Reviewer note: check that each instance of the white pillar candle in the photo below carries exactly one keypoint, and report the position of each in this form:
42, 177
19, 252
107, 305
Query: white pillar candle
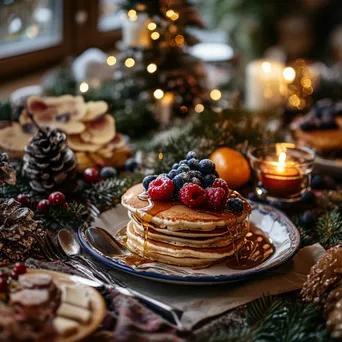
265, 85
135, 32
166, 108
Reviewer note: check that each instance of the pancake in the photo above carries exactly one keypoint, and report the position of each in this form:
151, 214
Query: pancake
178, 255
176, 216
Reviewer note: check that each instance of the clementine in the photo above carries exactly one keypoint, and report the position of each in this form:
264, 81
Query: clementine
232, 166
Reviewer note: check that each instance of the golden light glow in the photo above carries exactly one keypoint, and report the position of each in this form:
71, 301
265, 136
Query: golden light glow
175, 16
294, 100
183, 109
151, 68
152, 26
155, 35
179, 39
215, 94
199, 108
132, 15
281, 162
173, 28
158, 94
111, 60
289, 74
84, 87
129, 62
170, 13
266, 67
306, 82
160, 156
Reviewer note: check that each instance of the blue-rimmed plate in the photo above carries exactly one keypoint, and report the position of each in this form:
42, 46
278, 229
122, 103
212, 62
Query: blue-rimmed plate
276, 225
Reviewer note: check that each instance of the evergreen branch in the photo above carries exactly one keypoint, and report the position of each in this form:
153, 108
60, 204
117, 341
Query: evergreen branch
329, 229
5, 111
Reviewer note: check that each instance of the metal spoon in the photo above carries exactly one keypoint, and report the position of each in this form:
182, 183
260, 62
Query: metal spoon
72, 248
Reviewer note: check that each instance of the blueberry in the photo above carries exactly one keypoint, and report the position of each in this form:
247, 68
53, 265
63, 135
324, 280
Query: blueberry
308, 198
175, 166
193, 164
191, 155
180, 180
131, 164
236, 204
147, 180
183, 162
216, 174
183, 168
206, 166
172, 174
108, 172
209, 180
195, 180
308, 218
164, 175
317, 182
196, 174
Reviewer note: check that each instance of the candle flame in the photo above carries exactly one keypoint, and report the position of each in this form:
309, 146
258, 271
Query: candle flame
266, 67
281, 162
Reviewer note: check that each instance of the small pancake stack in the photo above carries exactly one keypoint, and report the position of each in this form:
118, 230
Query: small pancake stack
90, 131
195, 225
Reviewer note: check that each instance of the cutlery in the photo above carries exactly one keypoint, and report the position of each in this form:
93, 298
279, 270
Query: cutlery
72, 248
110, 247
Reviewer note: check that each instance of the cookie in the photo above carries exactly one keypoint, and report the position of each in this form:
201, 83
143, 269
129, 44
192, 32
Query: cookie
94, 110
14, 139
100, 131
76, 143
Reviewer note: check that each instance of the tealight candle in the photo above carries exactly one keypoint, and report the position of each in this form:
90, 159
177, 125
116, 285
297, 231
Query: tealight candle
282, 171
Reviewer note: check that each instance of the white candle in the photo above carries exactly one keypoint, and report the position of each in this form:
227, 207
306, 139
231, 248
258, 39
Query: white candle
265, 85
135, 32
166, 108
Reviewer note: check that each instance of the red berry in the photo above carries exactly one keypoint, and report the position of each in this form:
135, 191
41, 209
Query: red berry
161, 189
192, 195
19, 268
100, 163
3, 275
43, 206
221, 183
14, 275
90, 175
56, 199
3, 285
216, 198
23, 199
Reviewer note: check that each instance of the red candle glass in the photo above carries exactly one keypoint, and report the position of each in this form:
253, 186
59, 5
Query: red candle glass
282, 171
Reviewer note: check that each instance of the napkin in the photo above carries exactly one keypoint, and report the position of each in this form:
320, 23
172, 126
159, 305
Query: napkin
202, 302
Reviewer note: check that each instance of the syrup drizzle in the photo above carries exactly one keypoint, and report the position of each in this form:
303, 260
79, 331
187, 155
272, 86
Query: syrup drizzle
256, 249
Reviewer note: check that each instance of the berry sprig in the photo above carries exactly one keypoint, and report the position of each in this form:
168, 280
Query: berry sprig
195, 183
7, 277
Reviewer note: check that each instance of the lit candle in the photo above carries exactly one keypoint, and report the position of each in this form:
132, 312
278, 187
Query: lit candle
281, 178
135, 32
265, 85
165, 108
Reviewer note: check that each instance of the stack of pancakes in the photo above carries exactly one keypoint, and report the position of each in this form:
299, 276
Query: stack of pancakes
173, 233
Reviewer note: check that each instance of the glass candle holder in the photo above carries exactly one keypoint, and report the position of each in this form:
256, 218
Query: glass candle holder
282, 171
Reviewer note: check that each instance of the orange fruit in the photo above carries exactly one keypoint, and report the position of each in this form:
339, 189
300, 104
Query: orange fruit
232, 166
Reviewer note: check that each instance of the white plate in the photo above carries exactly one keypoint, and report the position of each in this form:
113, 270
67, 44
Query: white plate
276, 225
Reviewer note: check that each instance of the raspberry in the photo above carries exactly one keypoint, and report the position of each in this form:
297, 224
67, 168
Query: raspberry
161, 189
192, 195
216, 198
221, 183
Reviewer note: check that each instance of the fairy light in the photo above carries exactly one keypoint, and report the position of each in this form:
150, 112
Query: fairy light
289, 74
199, 108
170, 13
160, 156
129, 62
132, 15
158, 94
111, 60
179, 39
84, 87
151, 68
215, 94
152, 26
183, 109
155, 35
175, 16
266, 67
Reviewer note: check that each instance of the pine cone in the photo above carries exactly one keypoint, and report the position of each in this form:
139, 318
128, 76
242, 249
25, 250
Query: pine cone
324, 276
49, 162
17, 231
7, 174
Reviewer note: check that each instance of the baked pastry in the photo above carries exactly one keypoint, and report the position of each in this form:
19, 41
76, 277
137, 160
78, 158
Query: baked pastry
321, 128
190, 220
